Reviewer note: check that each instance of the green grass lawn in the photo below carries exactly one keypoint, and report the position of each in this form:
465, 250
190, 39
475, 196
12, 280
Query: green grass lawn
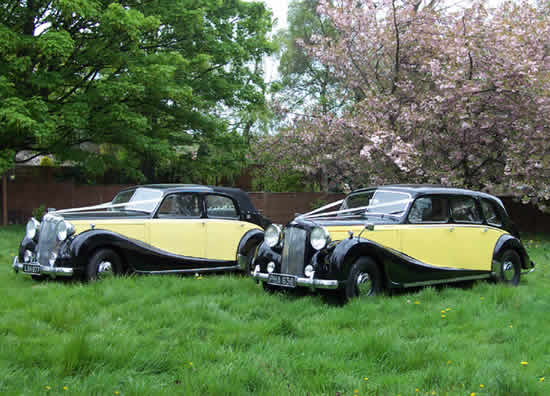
222, 335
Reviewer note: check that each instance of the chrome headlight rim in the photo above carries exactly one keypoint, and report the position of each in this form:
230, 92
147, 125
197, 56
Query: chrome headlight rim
319, 238
63, 230
273, 235
32, 228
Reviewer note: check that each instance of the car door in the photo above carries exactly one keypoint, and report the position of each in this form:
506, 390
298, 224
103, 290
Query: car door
474, 241
224, 229
178, 228
428, 237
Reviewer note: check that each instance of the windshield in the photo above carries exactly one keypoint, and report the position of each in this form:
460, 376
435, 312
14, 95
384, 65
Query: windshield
378, 202
140, 199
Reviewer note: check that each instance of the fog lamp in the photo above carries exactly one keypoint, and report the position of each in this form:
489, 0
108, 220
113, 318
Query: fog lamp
53, 257
308, 271
271, 267
27, 256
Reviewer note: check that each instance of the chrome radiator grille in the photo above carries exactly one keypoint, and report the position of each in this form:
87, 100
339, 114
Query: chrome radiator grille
294, 247
47, 239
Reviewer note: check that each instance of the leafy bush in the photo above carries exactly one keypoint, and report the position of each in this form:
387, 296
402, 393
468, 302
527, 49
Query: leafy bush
39, 212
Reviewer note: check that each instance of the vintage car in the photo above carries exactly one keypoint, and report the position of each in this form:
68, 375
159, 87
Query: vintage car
391, 237
153, 229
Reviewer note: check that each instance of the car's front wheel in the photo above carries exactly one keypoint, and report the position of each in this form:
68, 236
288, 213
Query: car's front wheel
510, 268
364, 279
103, 264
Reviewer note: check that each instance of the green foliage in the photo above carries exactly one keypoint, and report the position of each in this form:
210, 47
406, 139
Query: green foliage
39, 212
46, 161
274, 180
225, 335
141, 78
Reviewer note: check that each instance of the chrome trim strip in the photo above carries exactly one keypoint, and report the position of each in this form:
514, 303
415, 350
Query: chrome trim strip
306, 282
436, 282
44, 270
184, 271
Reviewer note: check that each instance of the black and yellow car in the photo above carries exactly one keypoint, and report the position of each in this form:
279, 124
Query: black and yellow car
394, 237
153, 229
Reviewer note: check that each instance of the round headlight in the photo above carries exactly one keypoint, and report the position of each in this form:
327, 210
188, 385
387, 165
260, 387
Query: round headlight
32, 228
64, 229
272, 235
27, 256
271, 267
308, 271
319, 238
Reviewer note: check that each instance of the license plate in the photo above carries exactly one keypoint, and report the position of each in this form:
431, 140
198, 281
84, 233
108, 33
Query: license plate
31, 268
282, 280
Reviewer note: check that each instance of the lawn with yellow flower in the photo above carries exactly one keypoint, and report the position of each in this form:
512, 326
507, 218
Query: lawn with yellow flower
223, 335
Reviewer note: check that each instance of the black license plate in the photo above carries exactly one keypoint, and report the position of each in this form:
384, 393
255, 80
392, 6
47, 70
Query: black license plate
31, 268
282, 280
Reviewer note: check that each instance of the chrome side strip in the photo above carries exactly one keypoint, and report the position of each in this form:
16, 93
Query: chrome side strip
191, 270
439, 281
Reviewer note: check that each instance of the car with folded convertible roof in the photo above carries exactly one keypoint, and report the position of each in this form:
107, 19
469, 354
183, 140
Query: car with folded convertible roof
391, 237
154, 229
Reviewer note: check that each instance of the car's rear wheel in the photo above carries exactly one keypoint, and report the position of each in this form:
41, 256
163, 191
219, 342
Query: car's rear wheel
364, 279
510, 268
104, 263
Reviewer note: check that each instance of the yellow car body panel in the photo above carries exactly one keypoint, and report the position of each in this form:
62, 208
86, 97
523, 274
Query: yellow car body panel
184, 237
223, 237
130, 228
464, 246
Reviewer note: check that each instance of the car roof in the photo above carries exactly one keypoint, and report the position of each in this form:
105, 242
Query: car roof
239, 195
421, 189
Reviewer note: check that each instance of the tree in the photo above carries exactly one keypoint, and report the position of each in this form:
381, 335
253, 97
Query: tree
135, 78
446, 96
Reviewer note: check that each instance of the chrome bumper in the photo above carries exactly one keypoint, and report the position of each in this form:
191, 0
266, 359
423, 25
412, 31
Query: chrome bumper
305, 282
44, 270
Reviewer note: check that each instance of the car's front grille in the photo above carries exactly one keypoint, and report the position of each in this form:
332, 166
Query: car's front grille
47, 240
294, 247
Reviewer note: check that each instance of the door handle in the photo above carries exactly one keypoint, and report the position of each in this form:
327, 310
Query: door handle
451, 229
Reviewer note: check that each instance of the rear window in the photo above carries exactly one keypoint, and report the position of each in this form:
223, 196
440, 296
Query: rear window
464, 210
491, 215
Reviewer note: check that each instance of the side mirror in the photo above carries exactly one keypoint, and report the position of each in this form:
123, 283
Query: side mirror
368, 226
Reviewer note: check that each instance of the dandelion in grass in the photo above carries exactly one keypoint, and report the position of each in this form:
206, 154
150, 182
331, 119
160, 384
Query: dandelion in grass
190, 363
541, 379
443, 311
448, 309
366, 378
473, 394
116, 392
524, 363
417, 390
481, 386
449, 361
47, 387
65, 388
417, 302
443, 316
355, 391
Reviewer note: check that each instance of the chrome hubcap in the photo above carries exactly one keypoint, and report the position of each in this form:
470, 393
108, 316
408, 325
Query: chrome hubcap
104, 270
364, 284
508, 271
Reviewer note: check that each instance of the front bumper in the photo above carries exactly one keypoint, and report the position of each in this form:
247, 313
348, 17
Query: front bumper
305, 282
43, 270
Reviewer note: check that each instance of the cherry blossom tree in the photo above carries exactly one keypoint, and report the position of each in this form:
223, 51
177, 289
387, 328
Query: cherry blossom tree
453, 96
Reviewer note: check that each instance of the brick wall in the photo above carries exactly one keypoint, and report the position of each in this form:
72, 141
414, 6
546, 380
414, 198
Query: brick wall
33, 187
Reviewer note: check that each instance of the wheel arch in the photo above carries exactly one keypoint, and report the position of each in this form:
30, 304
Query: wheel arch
348, 251
508, 241
250, 239
86, 244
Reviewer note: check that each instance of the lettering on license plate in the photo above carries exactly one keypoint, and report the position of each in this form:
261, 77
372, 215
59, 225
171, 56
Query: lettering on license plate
31, 269
282, 280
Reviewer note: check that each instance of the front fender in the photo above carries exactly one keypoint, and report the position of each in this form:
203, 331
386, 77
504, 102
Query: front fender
347, 251
264, 255
26, 244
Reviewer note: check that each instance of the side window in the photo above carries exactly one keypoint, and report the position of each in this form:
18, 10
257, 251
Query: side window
464, 210
490, 214
180, 206
429, 210
221, 207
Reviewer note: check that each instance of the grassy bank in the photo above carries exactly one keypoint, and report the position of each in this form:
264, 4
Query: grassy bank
222, 335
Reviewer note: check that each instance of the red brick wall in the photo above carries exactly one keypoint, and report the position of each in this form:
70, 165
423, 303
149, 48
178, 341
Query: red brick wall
33, 187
